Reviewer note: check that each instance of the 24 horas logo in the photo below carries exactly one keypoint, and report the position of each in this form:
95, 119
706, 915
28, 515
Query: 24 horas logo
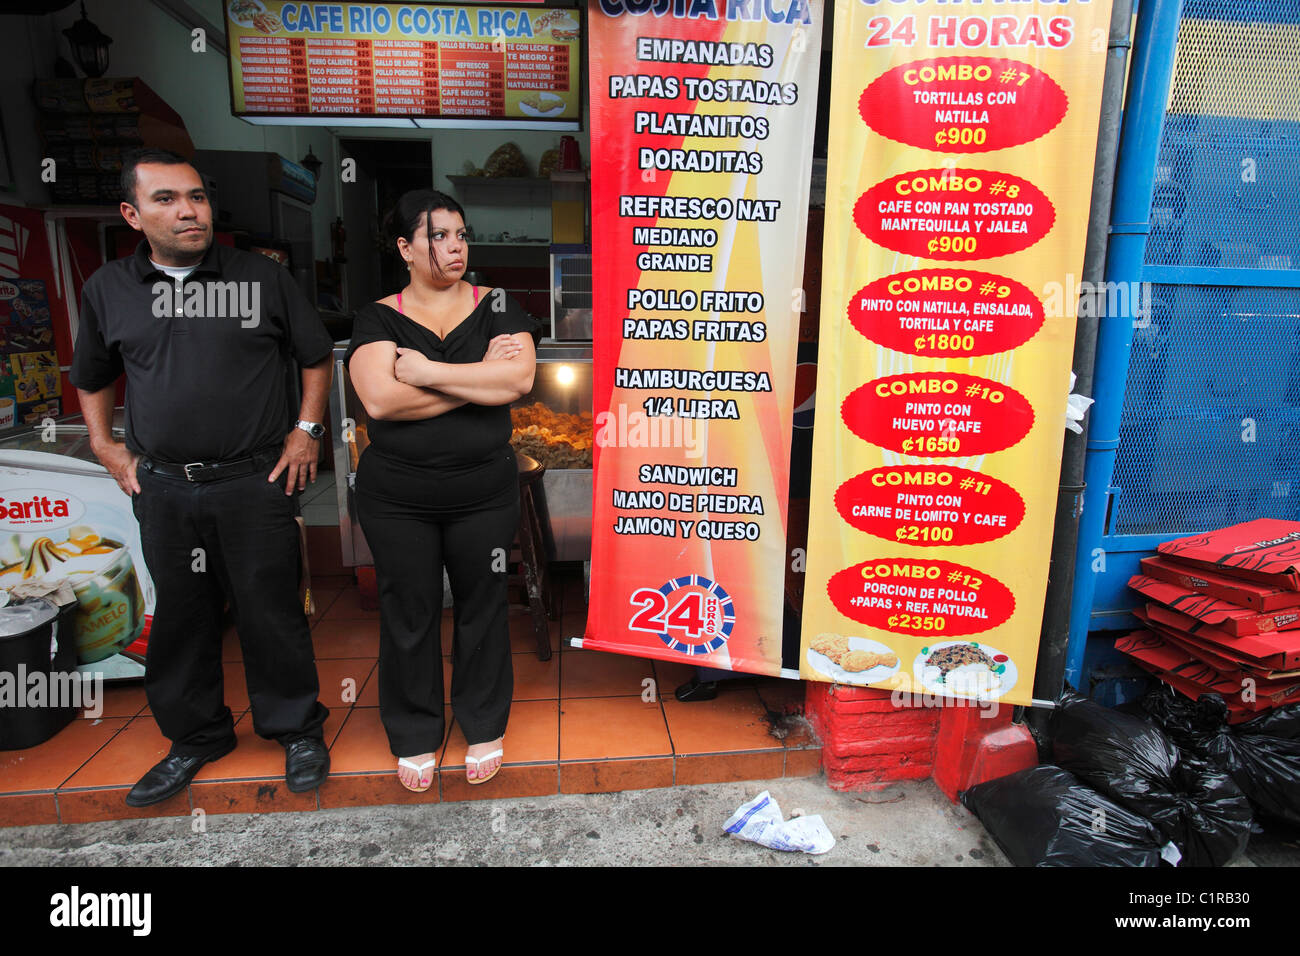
22, 509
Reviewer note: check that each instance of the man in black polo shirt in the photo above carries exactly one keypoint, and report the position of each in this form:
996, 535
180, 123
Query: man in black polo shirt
204, 334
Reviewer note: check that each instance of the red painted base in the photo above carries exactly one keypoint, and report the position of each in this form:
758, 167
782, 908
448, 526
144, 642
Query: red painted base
976, 745
869, 740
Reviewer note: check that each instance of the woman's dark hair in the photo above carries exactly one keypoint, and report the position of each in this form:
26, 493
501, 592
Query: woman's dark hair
416, 207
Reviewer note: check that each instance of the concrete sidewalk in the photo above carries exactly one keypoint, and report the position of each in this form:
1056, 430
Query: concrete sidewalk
909, 824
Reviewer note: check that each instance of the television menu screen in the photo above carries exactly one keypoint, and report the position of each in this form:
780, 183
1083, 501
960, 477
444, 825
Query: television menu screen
412, 61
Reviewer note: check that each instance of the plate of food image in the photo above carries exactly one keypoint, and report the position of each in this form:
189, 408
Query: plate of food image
267, 23
964, 669
542, 103
561, 25
851, 660
565, 28
243, 11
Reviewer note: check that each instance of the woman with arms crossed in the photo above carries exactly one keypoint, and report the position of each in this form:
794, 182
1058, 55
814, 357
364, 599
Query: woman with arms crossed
436, 367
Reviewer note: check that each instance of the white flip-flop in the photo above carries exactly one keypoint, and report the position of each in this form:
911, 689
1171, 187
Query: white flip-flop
479, 760
419, 769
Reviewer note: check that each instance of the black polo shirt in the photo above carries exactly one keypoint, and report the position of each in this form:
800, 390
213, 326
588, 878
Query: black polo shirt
470, 433
206, 363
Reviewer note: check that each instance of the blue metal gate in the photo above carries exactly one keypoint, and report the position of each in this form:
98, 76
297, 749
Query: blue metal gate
1197, 423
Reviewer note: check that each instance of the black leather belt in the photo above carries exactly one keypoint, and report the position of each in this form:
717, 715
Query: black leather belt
211, 470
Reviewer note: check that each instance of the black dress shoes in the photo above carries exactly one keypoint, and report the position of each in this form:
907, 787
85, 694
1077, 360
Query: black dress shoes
696, 689
306, 763
169, 777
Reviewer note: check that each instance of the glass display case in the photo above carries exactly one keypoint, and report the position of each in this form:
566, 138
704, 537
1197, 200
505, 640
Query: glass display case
552, 423
66, 522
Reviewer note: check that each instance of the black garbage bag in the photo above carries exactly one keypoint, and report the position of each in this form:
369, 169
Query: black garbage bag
1262, 755
1265, 762
1044, 816
1193, 803
1191, 725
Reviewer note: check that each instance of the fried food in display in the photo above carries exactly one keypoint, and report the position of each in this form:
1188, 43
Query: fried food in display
555, 439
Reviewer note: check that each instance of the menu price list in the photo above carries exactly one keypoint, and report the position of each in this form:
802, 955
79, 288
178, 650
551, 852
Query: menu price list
473, 78
418, 78
539, 66
340, 76
727, 315
274, 74
958, 105
405, 76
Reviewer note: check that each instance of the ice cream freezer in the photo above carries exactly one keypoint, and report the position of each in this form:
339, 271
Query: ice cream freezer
552, 423
64, 521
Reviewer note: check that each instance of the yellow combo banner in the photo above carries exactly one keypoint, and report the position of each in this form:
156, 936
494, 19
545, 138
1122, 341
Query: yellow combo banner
962, 139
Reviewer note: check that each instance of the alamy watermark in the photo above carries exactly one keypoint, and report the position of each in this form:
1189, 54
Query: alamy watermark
622, 427
210, 300
39, 688
1122, 300
76, 908
910, 698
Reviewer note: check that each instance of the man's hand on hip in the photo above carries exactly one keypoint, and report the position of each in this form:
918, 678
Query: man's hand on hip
297, 461
120, 462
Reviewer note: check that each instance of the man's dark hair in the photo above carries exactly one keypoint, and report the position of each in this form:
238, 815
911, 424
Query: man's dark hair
147, 155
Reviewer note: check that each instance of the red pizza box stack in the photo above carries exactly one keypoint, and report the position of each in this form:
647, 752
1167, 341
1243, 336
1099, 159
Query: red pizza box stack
1265, 551
1223, 615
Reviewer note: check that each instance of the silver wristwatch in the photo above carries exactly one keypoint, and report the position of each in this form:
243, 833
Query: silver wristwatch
314, 429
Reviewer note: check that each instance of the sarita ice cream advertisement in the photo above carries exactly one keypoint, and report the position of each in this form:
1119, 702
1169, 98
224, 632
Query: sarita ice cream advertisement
65, 521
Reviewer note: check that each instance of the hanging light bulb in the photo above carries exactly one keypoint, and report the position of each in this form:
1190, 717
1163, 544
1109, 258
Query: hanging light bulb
89, 45
311, 163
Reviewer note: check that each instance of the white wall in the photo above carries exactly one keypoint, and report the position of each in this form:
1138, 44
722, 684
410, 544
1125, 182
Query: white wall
150, 44
451, 148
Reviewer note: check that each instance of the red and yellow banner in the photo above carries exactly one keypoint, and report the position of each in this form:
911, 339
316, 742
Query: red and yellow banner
961, 152
702, 125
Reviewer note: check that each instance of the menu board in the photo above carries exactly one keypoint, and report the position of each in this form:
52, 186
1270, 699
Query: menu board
404, 60
961, 148
699, 213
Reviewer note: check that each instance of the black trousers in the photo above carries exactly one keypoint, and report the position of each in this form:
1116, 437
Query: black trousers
203, 542
416, 520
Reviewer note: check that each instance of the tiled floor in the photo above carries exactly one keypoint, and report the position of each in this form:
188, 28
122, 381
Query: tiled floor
582, 722
319, 502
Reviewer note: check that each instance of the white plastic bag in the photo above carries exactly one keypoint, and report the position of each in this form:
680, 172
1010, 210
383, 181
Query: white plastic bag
760, 821
1076, 406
